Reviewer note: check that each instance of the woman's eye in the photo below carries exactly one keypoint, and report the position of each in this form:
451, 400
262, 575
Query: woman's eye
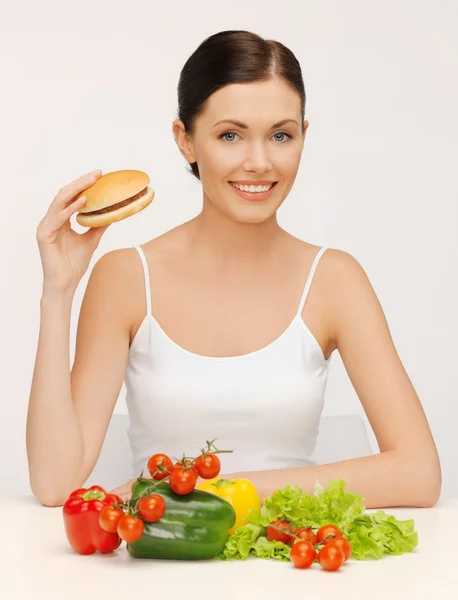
223, 135
284, 133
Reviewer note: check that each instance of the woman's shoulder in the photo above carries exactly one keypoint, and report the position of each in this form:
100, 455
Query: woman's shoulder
337, 271
333, 260
341, 268
336, 281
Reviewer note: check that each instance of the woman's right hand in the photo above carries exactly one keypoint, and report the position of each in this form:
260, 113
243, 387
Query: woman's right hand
66, 254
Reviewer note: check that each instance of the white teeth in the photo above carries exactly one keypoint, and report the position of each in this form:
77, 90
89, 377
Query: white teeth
252, 188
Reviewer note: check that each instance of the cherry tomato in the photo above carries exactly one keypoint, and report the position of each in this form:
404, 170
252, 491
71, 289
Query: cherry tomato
159, 460
273, 535
109, 518
305, 533
130, 528
151, 508
327, 531
182, 481
188, 463
208, 466
303, 554
343, 544
330, 557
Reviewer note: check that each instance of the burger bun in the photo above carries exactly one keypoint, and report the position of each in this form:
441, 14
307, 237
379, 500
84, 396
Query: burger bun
114, 197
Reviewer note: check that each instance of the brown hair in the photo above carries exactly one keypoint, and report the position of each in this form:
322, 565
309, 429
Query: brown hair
232, 56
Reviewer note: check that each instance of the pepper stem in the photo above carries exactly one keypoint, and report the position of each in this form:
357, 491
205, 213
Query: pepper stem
94, 495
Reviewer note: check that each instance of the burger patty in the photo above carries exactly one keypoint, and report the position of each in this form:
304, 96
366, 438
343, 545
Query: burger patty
118, 205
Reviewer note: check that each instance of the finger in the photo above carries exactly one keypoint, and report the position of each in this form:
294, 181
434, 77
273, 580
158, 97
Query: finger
94, 235
70, 191
117, 492
59, 218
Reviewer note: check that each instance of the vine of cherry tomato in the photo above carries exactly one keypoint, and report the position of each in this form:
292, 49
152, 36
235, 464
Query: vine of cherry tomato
151, 508
160, 466
183, 480
130, 528
208, 466
182, 477
303, 554
328, 547
274, 535
330, 557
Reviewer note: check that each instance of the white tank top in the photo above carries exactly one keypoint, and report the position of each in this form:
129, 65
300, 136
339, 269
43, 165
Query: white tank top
265, 405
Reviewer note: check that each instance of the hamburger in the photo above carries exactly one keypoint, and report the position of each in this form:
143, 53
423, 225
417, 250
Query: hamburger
115, 196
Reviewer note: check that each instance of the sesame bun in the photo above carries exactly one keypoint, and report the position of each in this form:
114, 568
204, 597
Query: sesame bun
115, 196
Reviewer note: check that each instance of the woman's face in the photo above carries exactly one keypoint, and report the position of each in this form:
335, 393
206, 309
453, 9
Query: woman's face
227, 152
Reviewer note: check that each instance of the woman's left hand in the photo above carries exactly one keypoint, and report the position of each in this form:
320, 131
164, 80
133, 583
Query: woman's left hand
124, 491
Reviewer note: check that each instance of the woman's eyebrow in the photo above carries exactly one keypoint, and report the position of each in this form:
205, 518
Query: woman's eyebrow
244, 126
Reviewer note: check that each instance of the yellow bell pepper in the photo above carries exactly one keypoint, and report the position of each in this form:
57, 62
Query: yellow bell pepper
241, 493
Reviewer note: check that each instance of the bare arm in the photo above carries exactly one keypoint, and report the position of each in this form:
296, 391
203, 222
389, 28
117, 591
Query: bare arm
69, 412
407, 470
53, 433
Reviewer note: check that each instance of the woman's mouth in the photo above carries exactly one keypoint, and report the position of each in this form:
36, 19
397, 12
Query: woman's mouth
254, 196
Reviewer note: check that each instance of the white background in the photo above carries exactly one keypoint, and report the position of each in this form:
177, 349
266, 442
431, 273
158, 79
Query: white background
93, 85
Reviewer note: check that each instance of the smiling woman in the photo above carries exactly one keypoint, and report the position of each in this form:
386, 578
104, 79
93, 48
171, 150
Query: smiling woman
259, 150
224, 327
232, 59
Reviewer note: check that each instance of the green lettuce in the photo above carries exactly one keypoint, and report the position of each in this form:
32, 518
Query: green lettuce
370, 535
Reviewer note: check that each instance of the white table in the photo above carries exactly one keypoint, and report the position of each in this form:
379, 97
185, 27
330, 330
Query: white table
36, 561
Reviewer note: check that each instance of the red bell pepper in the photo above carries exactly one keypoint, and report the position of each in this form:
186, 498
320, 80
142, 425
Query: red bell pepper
81, 513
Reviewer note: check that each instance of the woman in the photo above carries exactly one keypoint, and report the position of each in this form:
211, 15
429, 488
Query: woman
215, 326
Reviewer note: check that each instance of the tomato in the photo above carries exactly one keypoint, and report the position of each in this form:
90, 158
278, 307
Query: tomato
151, 508
279, 536
130, 528
327, 531
305, 533
303, 555
188, 463
208, 466
159, 460
330, 557
182, 480
109, 518
343, 544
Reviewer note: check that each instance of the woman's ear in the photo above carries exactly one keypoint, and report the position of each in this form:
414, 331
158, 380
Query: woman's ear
184, 141
304, 131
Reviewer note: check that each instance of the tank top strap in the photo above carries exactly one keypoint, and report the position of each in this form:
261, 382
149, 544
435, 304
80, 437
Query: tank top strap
308, 283
147, 281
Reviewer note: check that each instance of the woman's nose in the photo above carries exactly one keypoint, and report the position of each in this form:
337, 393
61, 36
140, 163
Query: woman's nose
257, 157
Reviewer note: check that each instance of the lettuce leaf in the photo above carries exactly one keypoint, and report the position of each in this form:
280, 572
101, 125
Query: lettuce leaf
265, 549
371, 535
247, 540
241, 542
328, 505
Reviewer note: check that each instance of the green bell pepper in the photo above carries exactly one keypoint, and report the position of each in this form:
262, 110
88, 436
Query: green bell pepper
195, 526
